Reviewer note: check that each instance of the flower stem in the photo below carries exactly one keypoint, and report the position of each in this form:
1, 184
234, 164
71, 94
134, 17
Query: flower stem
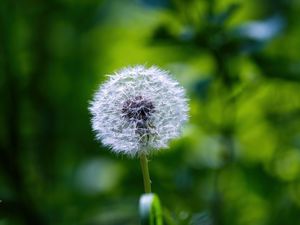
145, 171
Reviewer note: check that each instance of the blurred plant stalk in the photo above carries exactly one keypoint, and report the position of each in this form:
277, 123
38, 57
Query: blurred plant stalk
145, 171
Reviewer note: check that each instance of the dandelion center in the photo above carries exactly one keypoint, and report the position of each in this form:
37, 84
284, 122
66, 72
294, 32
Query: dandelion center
138, 110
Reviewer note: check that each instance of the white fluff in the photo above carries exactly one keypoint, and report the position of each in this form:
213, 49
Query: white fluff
138, 110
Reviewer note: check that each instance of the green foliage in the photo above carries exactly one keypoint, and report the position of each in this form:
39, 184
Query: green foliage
150, 210
238, 162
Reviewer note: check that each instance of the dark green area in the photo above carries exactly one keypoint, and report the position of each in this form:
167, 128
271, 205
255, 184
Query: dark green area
238, 162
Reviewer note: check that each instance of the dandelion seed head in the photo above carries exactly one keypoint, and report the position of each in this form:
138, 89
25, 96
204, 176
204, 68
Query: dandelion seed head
138, 110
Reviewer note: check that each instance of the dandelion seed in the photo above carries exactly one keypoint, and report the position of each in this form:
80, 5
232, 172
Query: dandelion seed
138, 110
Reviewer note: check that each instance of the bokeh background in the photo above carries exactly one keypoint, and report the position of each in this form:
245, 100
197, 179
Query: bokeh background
238, 162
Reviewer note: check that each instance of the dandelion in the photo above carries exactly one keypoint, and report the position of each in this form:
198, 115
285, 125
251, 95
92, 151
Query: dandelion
138, 110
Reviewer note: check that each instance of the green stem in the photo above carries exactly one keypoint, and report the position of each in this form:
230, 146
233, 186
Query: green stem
145, 170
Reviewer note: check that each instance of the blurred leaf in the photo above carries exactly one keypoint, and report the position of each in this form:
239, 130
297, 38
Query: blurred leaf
150, 210
221, 18
201, 87
279, 67
203, 218
156, 3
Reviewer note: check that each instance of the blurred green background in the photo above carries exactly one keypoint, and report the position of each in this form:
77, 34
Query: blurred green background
238, 162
